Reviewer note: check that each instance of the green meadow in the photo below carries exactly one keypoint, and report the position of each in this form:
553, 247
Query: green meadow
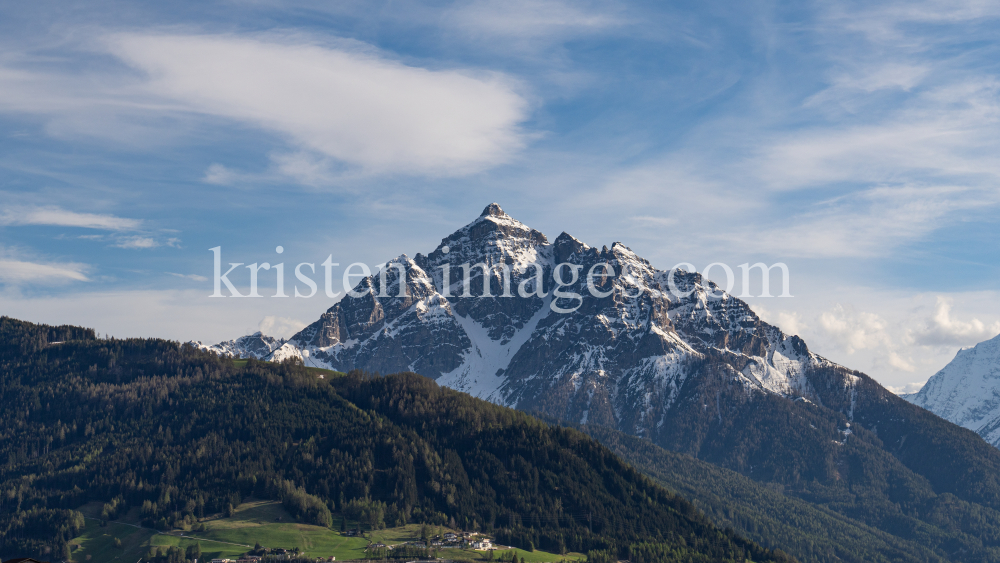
255, 521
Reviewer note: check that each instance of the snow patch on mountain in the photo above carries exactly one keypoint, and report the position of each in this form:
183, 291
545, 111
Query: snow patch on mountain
481, 372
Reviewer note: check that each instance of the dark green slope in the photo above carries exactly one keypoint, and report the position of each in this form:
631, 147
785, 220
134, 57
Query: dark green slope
856, 450
181, 433
952, 459
763, 513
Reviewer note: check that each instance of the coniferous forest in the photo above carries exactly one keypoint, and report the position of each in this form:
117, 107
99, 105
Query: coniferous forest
180, 433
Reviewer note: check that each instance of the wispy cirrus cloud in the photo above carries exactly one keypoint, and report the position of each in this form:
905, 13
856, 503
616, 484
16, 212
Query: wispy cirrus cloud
124, 232
18, 272
898, 138
141, 242
531, 19
193, 277
59, 217
864, 224
883, 23
939, 134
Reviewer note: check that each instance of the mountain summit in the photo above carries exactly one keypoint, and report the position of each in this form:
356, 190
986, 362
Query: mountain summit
493, 210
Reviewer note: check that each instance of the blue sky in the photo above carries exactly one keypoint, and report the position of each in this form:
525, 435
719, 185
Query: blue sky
855, 141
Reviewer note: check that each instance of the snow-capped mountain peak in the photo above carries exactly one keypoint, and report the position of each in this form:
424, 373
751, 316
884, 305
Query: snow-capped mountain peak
967, 390
581, 333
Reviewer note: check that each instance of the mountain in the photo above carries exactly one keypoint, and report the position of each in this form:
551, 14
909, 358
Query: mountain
177, 434
670, 358
967, 391
619, 360
256, 346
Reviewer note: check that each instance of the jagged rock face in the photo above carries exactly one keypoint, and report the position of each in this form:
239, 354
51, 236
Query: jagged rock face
609, 345
967, 391
257, 346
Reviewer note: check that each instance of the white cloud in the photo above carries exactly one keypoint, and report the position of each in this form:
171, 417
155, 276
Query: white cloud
17, 272
906, 388
340, 102
898, 362
853, 330
873, 330
305, 168
281, 327
943, 330
220, 175
859, 330
137, 242
56, 216
325, 99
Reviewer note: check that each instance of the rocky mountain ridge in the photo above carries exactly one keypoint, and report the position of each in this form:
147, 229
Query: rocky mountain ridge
621, 357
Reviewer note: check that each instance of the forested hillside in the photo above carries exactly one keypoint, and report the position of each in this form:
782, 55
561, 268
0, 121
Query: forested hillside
181, 433
924, 488
809, 531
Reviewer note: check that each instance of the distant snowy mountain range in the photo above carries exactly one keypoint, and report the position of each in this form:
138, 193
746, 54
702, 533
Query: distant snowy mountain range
621, 359
257, 346
967, 391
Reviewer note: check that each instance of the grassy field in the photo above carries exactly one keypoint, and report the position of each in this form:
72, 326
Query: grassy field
254, 521
96, 543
